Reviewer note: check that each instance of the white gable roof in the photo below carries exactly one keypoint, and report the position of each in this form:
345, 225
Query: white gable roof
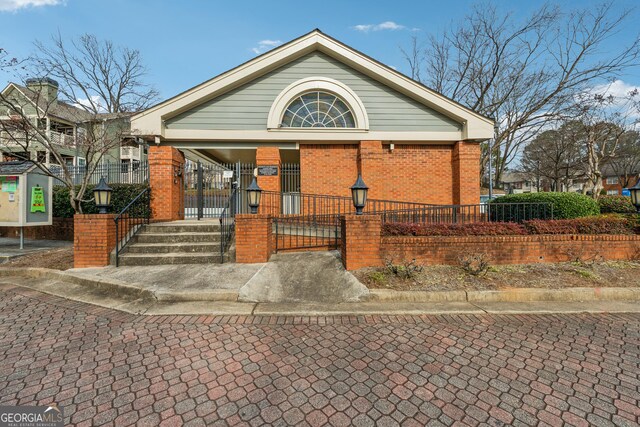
151, 121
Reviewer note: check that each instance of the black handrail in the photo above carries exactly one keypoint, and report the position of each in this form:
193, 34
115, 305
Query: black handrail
227, 224
131, 219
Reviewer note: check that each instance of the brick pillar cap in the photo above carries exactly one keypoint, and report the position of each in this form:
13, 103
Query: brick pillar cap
95, 216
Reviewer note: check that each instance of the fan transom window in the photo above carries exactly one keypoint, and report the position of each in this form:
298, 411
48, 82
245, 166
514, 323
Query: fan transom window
318, 109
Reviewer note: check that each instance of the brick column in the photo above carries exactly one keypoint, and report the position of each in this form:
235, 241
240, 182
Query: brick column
370, 165
167, 189
466, 173
253, 238
361, 239
94, 237
269, 156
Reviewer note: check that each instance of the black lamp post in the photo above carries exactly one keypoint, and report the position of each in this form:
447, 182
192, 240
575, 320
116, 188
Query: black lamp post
254, 193
102, 196
359, 194
635, 195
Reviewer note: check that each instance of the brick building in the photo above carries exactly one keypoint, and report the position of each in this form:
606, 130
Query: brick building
331, 111
617, 179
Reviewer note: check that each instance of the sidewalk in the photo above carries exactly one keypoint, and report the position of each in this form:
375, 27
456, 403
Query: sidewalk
138, 301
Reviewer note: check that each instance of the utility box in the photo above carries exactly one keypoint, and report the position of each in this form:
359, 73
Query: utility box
26, 195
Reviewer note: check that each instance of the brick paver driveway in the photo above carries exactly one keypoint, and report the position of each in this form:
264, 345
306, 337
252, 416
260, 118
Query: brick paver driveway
106, 367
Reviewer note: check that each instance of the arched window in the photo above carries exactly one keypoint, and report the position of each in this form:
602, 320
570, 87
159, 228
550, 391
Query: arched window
318, 109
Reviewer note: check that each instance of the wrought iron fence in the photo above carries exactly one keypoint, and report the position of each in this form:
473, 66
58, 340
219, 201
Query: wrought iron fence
290, 177
307, 232
461, 214
134, 172
276, 204
131, 219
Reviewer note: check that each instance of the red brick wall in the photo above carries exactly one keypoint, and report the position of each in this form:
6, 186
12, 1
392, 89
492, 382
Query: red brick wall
328, 169
511, 249
466, 173
414, 173
94, 239
269, 156
360, 241
60, 229
254, 239
363, 246
167, 198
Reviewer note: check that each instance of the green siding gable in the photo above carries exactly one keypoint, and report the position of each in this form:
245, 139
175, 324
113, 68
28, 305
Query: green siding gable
247, 107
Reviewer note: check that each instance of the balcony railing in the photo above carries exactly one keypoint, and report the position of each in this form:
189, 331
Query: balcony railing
19, 139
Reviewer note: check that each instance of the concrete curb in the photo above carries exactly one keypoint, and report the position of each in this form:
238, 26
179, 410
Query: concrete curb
389, 295
509, 295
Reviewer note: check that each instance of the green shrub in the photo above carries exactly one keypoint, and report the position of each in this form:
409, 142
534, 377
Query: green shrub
565, 206
122, 195
616, 204
605, 224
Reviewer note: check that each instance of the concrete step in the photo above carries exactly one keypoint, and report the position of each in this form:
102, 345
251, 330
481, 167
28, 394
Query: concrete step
147, 237
132, 259
163, 248
204, 227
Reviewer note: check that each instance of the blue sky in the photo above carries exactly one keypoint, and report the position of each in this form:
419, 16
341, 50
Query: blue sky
186, 42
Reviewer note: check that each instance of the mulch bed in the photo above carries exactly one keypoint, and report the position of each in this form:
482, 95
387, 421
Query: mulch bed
549, 276
57, 259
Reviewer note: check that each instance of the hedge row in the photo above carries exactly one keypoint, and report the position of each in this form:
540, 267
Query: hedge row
565, 205
120, 198
471, 229
616, 204
589, 225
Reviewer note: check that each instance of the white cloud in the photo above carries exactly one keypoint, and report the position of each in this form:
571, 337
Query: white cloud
96, 102
386, 25
15, 5
264, 45
624, 96
618, 89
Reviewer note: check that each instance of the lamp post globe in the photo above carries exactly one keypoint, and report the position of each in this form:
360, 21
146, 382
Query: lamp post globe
635, 195
254, 193
359, 194
102, 196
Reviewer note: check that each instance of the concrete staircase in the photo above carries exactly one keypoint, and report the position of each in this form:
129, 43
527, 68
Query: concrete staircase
179, 242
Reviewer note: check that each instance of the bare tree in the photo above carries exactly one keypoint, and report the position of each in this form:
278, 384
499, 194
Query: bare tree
24, 132
626, 164
523, 73
554, 155
604, 121
101, 76
96, 87
6, 61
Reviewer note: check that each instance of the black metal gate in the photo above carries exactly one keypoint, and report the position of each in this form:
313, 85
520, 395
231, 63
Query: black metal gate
242, 177
290, 185
207, 187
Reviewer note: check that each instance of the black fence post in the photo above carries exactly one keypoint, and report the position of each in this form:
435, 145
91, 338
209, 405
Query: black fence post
200, 193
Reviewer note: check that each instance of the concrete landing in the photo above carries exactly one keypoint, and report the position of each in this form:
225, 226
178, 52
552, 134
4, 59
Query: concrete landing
205, 282
303, 277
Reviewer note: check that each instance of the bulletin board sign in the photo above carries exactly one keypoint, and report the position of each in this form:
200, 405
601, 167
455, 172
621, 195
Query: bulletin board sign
26, 199
9, 199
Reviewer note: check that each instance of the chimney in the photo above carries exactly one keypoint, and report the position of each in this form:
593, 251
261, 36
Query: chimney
46, 87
